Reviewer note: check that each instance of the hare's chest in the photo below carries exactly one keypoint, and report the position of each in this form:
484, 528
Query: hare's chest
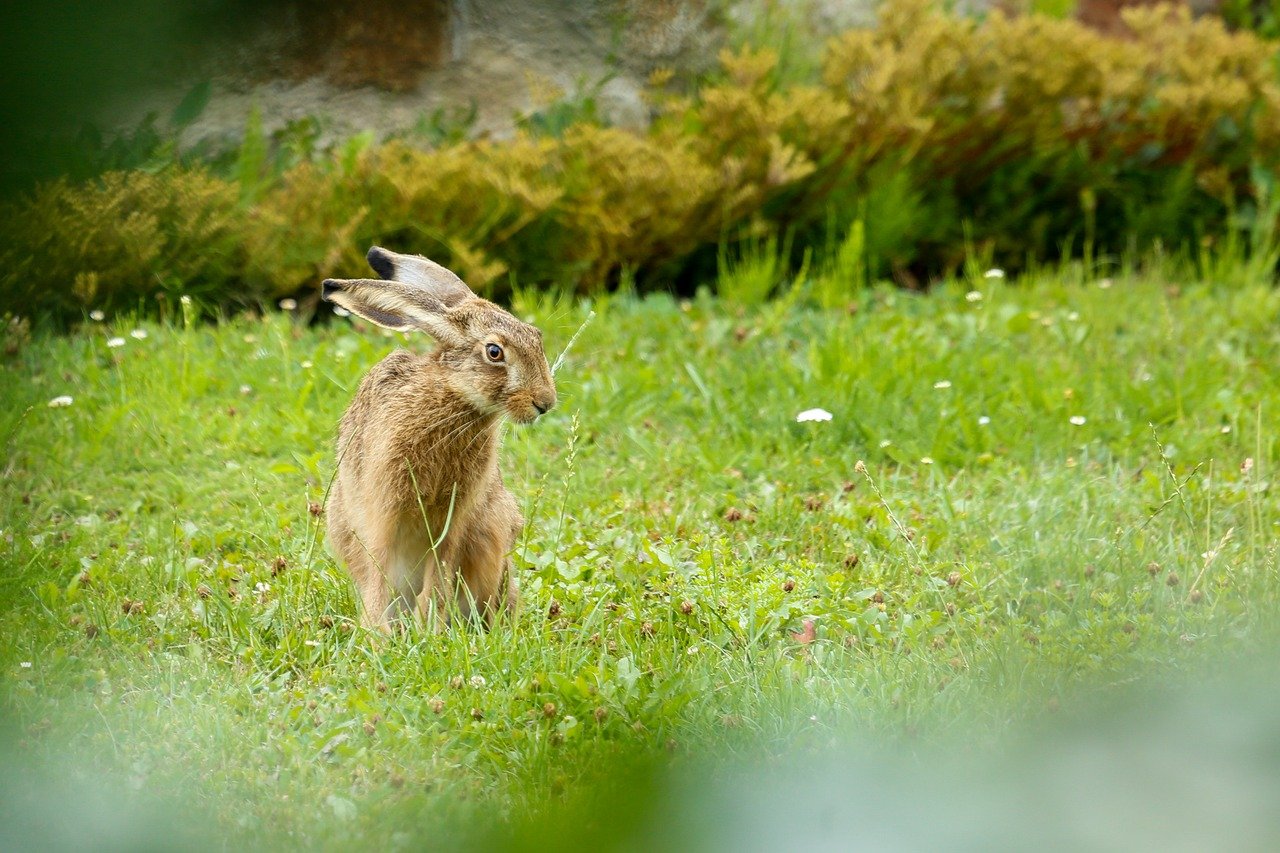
447, 491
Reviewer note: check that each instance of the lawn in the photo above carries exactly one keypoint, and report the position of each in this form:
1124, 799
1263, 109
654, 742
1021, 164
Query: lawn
1026, 493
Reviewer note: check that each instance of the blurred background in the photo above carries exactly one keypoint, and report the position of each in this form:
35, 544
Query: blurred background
603, 142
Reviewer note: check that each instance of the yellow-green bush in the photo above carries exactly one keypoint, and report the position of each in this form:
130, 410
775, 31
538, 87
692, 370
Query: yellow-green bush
120, 239
932, 133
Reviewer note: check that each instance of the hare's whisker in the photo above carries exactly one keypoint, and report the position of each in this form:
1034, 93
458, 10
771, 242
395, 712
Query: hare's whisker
459, 428
448, 419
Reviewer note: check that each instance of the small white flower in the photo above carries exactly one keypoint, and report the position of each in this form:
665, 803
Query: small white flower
184, 299
340, 311
984, 420
943, 384
1078, 420
306, 365
477, 681
26, 664
813, 415
1073, 316
813, 718
262, 587
973, 296
289, 304
138, 334
1105, 283
1226, 429
250, 339
993, 273
115, 342
246, 390
97, 316
60, 401
884, 442
692, 650
926, 460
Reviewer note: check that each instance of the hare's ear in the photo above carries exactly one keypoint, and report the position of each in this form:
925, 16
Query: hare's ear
420, 272
393, 305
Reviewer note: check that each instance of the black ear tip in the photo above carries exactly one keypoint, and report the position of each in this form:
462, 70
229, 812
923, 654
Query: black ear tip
381, 262
328, 288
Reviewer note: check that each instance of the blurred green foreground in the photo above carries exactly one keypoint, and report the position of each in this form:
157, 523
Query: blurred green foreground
1064, 488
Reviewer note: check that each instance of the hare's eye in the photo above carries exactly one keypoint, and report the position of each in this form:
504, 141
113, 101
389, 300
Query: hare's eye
494, 352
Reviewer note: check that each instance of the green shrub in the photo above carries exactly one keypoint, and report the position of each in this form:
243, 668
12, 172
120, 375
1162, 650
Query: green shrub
919, 143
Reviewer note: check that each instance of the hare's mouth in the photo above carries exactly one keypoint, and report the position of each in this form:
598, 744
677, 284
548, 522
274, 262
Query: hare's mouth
525, 414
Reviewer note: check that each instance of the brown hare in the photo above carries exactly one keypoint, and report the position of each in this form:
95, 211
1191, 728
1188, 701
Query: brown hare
418, 510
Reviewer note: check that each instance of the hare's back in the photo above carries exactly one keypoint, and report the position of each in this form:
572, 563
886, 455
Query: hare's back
385, 380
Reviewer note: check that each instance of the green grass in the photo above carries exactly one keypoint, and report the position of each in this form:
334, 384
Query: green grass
187, 632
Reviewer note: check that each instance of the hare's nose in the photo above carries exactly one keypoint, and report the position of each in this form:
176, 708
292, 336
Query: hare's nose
542, 410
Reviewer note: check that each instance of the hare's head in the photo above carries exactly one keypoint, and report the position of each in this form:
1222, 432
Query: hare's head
492, 359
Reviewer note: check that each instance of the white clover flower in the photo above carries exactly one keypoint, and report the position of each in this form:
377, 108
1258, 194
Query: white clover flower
984, 420
813, 415
340, 311
115, 342
246, 390
289, 304
1078, 420
138, 334
262, 587
942, 384
60, 402
478, 682
692, 650
97, 316
973, 296
993, 273
926, 460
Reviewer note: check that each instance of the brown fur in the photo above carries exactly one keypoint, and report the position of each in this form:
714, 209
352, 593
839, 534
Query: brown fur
418, 510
